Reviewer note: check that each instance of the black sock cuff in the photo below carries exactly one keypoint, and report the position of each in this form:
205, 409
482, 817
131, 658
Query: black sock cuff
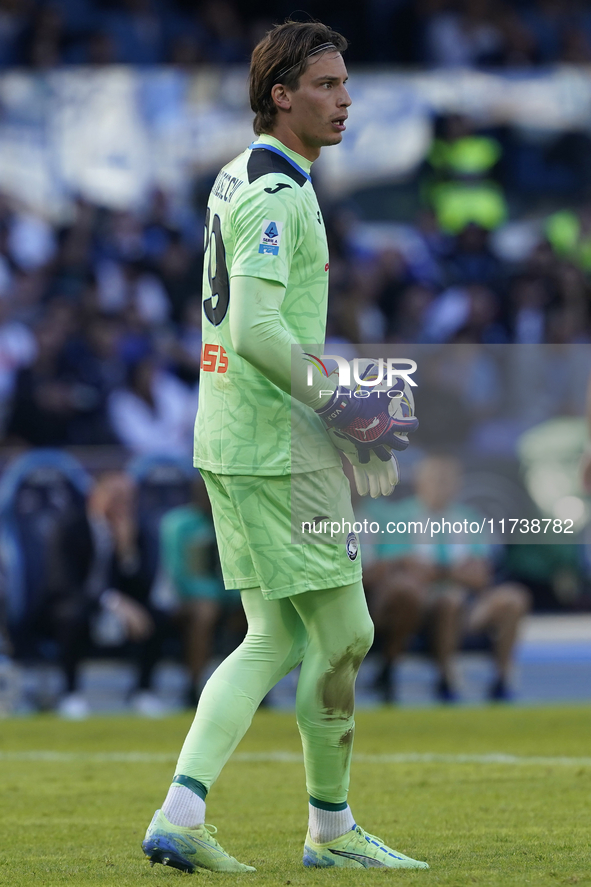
192, 784
326, 805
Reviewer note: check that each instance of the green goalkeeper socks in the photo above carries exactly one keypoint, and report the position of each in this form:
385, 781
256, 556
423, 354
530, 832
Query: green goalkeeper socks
329, 631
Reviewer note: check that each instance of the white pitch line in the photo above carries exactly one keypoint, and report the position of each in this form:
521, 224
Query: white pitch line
66, 757
426, 758
284, 757
492, 758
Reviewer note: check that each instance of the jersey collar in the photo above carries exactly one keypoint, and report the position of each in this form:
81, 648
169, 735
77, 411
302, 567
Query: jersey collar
272, 144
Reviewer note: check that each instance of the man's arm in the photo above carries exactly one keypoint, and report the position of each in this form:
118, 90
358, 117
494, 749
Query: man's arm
259, 337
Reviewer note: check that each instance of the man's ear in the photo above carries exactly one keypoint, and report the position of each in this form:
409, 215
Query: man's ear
281, 97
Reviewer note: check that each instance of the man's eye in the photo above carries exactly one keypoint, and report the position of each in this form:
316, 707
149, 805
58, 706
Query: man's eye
328, 85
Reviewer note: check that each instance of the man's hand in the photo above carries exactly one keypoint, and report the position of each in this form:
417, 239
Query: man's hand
136, 620
472, 572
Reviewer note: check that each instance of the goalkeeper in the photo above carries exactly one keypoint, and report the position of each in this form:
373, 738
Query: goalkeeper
265, 291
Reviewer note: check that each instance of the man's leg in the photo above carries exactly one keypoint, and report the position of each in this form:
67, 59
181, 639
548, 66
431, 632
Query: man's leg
197, 619
499, 612
340, 633
444, 616
68, 622
397, 604
274, 644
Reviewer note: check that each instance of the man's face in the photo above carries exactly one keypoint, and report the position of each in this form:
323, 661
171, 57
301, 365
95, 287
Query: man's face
437, 481
318, 108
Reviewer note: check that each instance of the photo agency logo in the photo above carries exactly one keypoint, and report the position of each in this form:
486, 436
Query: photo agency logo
380, 374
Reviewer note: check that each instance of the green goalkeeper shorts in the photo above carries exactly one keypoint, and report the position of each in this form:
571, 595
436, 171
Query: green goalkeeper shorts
285, 534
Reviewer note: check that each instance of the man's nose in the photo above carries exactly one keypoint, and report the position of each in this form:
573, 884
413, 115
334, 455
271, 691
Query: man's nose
345, 99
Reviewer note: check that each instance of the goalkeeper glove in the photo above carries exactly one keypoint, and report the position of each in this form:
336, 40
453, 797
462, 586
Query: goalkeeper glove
365, 421
366, 433
375, 471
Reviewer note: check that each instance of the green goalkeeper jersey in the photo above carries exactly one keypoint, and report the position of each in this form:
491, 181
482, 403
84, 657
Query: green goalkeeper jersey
262, 221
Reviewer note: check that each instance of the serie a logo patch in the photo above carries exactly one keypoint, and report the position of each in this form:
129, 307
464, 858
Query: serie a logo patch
270, 237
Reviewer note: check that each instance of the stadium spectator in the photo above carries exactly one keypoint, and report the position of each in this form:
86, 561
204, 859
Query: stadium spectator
461, 184
470, 260
74, 260
225, 32
530, 296
477, 33
180, 271
92, 356
462, 37
190, 561
407, 322
62, 616
155, 412
446, 589
47, 616
18, 349
43, 39
576, 47
99, 48
102, 562
569, 234
14, 17
45, 399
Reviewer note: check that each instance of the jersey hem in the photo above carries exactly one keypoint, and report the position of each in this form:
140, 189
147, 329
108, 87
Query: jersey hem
263, 471
241, 584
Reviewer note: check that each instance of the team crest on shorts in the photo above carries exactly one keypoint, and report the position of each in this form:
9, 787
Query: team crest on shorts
352, 546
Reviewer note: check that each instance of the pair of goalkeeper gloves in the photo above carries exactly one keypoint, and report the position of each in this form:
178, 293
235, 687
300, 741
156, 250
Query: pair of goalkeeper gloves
367, 435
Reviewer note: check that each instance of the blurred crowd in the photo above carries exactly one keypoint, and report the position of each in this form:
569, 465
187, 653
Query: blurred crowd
488, 242
445, 33
100, 316
125, 564
489, 246
446, 595
100, 329
122, 564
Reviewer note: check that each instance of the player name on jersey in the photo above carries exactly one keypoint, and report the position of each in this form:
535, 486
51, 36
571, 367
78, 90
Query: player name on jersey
225, 186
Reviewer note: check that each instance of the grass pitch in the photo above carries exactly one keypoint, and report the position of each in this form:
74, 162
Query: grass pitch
487, 796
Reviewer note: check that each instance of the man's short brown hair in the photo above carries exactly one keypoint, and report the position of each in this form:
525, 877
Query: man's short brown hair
282, 57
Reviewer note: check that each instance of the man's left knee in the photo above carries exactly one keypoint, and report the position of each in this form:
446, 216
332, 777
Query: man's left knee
513, 598
336, 685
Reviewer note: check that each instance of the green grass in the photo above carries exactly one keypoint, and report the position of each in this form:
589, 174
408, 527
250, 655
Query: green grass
79, 820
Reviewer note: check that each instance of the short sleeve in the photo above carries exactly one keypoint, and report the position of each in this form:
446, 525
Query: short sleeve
268, 227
